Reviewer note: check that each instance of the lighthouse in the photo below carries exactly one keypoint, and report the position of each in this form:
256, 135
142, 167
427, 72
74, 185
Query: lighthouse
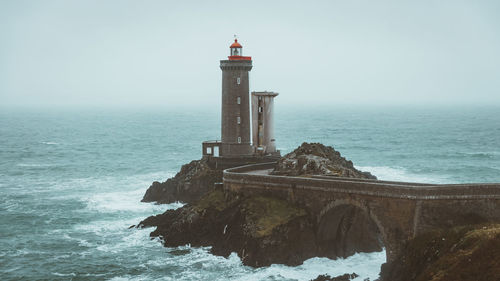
235, 147
235, 117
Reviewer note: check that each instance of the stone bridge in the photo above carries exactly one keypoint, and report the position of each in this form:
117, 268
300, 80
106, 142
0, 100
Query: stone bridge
400, 210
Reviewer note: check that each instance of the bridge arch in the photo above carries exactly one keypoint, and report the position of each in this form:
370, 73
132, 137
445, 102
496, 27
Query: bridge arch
343, 219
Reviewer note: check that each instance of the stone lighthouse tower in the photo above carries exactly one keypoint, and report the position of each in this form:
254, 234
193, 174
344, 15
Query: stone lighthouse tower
235, 121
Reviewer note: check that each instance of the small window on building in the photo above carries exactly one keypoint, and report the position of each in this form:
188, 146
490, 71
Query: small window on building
239, 139
260, 109
238, 80
209, 151
238, 119
238, 100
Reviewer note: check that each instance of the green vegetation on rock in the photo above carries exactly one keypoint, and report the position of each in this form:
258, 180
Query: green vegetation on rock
466, 253
266, 213
214, 199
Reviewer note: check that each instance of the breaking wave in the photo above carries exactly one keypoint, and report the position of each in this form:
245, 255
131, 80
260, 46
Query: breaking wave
401, 174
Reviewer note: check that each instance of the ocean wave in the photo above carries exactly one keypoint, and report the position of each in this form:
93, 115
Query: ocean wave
121, 241
35, 165
49, 142
111, 202
79, 241
199, 264
64, 274
110, 226
127, 198
366, 265
111, 194
401, 174
480, 155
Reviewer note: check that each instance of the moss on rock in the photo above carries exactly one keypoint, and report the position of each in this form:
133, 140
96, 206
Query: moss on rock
466, 253
214, 199
266, 213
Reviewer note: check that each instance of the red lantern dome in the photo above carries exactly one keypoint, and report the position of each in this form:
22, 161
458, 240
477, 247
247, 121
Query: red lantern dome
236, 52
236, 44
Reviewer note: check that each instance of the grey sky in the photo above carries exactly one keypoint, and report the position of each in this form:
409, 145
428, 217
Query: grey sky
151, 53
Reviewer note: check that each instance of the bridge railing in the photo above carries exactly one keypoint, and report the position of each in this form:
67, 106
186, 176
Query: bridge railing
242, 176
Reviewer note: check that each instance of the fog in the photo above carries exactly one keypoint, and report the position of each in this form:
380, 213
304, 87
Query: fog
166, 53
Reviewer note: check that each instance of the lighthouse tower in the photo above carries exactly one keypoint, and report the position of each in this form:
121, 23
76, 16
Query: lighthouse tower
235, 121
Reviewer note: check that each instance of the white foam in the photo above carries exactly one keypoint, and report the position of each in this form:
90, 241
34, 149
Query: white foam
126, 198
81, 242
35, 165
199, 264
110, 202
400, 174
366, 265
64, 274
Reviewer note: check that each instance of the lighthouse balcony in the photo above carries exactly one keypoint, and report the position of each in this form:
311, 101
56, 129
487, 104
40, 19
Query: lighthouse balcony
211, 148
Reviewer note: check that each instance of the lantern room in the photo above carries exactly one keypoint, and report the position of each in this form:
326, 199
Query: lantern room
237, 52
236, 48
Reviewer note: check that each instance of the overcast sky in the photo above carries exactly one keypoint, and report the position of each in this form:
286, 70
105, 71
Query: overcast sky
166, 53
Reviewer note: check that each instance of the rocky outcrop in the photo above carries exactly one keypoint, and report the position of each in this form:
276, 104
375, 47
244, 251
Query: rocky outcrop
261, 230
317, 159
466, 253
189, 184
345, 277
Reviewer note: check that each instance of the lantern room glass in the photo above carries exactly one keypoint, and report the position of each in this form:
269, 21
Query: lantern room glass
236, 52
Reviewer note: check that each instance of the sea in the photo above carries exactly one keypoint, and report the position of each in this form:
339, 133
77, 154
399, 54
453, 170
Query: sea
71, 181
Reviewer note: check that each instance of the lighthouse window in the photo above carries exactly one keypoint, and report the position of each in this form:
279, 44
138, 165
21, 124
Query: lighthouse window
239, 139
238, 119
238, 100
260, 109
238, 80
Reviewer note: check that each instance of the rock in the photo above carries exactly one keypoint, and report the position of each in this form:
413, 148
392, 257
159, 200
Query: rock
346, 230
345, 277
317, 159
261, 230
465, 253
189, 184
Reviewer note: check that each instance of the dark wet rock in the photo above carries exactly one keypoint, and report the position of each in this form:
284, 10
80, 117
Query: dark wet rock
466, 253
261, 230
189, 184
180, 252
346, 230
317, 159
345, 277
